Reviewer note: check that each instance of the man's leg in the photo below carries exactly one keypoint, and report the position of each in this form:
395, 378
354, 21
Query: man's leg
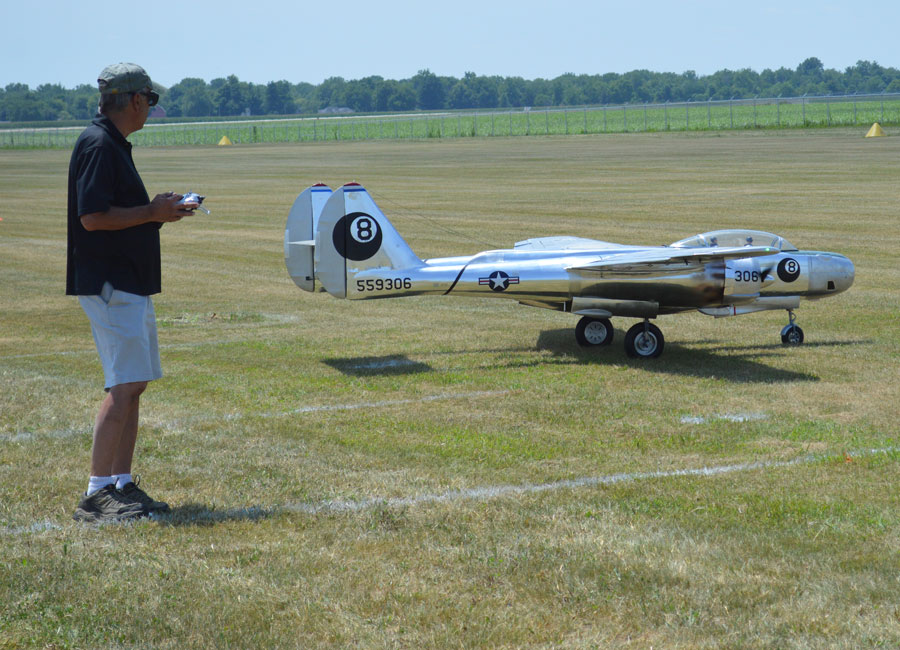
114, 437
115, 432
120, 410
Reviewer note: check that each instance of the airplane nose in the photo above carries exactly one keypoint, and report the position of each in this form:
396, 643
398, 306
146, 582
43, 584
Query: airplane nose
830, 273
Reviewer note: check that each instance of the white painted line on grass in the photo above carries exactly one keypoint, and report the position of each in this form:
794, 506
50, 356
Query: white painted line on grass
730, 417
252, 513
93, 351
28, 436
493, 492
24, 436
36, 355
379, 404
36, 527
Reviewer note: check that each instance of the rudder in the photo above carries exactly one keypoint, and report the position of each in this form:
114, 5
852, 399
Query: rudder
300, 233
353, 235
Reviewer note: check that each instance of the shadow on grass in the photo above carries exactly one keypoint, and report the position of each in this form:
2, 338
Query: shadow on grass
394, 364
682, 360
737, 363
196, 514
779, 346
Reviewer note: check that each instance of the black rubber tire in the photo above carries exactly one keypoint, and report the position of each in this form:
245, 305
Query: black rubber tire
592, 332
792, 335
644, 341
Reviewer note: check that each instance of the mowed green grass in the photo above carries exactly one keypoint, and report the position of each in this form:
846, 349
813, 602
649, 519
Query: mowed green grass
302, 440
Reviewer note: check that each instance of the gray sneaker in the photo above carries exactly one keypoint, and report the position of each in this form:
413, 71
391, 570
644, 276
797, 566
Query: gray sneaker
133, 492
108, 504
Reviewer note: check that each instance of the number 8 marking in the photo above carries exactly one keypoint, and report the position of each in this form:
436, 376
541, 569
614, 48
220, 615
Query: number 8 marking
788, 269
363, 229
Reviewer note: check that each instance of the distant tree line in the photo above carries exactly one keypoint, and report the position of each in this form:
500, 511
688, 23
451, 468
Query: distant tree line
193, 97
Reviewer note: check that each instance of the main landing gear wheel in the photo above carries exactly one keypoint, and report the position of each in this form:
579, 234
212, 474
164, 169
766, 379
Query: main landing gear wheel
644, 341
791, 334
593, 331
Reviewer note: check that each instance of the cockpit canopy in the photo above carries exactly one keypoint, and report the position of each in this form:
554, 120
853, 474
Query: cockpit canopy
727, 238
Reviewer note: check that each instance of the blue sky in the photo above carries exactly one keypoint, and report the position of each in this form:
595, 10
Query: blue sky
53, 41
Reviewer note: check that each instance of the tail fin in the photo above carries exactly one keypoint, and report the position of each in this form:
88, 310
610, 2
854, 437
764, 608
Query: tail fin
300, 233
353, 235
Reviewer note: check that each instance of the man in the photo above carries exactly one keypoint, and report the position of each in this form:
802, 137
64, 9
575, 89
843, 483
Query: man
114, 267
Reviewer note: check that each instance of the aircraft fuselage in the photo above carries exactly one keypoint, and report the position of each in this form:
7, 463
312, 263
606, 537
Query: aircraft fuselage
553, 280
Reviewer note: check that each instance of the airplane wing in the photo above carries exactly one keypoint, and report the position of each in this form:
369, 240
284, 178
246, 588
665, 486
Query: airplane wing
641, 260
567, 244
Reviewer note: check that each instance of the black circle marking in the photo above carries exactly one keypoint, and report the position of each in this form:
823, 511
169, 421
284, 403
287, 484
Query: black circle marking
357, 236
788, 269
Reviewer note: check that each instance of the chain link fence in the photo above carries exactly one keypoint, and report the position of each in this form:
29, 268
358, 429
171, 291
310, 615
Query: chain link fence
777, 112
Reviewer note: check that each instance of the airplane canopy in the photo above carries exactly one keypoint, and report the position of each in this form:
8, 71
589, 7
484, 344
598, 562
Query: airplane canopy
729, 238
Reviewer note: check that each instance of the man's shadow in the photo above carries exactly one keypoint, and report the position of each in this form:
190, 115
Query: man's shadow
197, 514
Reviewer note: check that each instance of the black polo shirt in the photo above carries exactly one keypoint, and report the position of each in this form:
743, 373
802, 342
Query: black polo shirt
102, 175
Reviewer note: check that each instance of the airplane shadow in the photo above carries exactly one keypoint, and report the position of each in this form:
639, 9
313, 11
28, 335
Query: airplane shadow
742, 364
393, 364
679, 359
779, 346
399, 364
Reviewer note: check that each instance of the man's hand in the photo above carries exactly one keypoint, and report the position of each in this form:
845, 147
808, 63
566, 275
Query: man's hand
164, 208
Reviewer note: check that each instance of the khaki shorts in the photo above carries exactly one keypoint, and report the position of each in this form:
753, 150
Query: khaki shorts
124, 327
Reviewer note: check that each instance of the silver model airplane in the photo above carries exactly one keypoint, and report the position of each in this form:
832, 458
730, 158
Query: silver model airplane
341, 241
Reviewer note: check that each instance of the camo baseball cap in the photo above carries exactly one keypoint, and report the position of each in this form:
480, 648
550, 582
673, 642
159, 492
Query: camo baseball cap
125, 78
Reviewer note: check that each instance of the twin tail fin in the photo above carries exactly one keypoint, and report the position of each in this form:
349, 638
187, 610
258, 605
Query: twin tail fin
333, 235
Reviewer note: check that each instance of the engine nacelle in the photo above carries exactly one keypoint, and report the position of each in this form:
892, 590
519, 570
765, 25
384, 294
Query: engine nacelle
743, 280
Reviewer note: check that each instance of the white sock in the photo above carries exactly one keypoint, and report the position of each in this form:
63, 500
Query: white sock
122, 480
98, 483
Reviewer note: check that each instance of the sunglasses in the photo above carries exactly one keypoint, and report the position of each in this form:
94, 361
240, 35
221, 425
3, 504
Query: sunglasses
151, 95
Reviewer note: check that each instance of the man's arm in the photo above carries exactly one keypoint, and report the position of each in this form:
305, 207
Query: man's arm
164, 208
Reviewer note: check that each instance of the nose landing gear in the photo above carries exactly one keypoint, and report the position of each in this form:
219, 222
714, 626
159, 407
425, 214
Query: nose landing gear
791, 334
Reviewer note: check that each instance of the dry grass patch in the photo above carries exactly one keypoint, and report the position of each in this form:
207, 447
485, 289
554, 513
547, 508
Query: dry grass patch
279, 406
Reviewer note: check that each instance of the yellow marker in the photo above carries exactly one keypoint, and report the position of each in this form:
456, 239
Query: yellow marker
876, 131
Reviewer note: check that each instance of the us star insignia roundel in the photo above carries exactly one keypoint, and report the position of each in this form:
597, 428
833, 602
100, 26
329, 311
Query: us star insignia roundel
499, 281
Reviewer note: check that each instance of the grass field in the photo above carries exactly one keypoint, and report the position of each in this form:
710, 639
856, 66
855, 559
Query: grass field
433, 472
